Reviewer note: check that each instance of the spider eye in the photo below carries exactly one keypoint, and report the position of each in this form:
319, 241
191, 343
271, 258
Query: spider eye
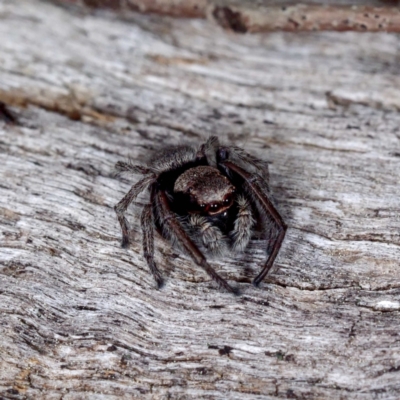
228, 199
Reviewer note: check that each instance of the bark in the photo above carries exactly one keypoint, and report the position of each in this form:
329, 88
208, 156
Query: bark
267, 15
80, 316
251, 17
174, 8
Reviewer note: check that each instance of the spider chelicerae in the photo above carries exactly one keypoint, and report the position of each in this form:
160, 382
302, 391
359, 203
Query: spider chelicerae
206, 200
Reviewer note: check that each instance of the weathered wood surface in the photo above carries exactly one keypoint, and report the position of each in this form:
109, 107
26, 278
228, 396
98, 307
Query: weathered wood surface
269, 15
80, 317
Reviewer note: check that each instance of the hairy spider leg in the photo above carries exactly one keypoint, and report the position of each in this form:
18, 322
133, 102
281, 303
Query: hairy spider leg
169, 219
211, 236
238, 154
122, 206
254, 184
208, 151
147, 225
242, 228
122, 166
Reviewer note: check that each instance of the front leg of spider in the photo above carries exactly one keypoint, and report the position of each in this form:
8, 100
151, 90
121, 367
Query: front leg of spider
211, 236
171, 223
243, 226
254, 185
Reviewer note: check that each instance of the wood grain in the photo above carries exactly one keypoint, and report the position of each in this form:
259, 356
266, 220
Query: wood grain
80, 317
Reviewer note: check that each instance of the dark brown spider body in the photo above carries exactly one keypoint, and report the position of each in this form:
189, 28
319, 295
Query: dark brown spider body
204, 200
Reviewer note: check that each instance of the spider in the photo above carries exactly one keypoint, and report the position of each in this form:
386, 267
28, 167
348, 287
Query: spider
205, 200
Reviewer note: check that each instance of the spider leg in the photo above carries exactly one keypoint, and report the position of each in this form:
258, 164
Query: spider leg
122, 206
238, 154
212, 143
211, 236
123, 166
255, 184
243, 225
169, 220
208, 150
147, 224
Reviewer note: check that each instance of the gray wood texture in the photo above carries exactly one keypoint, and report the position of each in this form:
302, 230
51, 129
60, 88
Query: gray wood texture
80, 317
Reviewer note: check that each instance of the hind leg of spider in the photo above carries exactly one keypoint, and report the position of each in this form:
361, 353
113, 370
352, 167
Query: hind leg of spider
122, 206
147, 225
255, 186
175, 230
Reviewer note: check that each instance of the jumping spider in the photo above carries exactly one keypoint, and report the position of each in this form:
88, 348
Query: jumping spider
208, 198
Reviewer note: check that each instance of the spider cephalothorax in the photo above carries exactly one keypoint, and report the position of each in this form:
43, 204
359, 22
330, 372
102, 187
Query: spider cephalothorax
205, 190
204, 200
